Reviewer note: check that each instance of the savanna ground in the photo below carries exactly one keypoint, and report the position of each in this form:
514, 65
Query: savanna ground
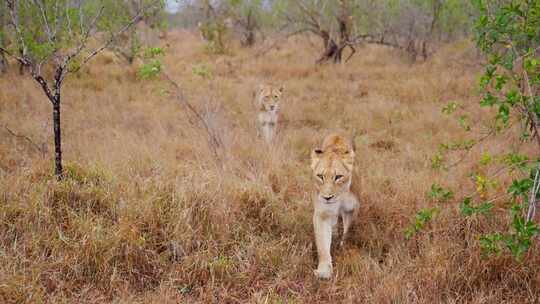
147, 215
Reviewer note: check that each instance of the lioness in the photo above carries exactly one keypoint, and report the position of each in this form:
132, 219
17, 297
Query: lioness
332, 166
267, 99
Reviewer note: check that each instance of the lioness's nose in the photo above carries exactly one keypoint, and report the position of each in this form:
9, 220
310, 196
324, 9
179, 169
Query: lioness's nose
329, 197
272, 107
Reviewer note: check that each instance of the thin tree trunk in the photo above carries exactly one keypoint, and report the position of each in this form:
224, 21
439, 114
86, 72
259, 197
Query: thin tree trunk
249, 30
57, 138
21, 65
3, 60
55, 101
331, 49
3, 63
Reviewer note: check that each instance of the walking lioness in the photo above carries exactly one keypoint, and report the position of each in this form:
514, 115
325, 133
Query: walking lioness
268, 99
332, 166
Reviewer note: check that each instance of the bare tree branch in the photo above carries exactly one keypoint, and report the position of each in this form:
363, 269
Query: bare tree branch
20, 59
26, 138
45, 20
214, 141
13, 11
134, 20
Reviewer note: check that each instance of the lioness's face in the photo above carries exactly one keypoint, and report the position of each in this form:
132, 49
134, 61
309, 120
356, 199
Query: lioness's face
269, 98
332, 168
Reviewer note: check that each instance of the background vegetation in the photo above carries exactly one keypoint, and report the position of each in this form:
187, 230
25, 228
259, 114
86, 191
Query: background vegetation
167, 195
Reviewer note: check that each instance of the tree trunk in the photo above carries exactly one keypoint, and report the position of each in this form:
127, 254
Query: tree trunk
3, 64
249, 38
411, 50
57, 139
424, 50
249, 30
334, 46
3, 60
21, 65
331, 50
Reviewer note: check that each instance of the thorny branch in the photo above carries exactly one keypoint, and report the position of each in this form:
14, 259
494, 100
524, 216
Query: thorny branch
213, 140
27, 139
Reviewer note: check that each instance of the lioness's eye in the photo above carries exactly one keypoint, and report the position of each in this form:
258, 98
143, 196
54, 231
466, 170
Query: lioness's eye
320, 176
338, 177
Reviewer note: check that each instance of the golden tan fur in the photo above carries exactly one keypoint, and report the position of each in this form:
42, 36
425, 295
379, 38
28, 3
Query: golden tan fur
332, 166
268, 99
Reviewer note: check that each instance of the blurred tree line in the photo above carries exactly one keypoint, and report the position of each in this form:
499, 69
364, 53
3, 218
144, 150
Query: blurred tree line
414, 26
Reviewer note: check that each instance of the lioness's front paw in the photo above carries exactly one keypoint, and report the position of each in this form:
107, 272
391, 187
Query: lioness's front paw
323, 272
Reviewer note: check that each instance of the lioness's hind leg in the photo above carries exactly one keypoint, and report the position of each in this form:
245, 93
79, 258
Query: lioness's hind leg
347, 216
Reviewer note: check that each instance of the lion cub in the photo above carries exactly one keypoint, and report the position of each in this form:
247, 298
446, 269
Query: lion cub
268, 99
332, 166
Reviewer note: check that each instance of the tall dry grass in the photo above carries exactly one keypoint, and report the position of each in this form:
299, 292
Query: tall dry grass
146, 214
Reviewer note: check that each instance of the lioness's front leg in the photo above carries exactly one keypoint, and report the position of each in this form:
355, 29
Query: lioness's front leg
323, 241
268, 132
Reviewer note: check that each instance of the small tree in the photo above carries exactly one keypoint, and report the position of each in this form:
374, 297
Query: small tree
55, 35
219, 20
329, 20
215, 25
247, 15
508, 33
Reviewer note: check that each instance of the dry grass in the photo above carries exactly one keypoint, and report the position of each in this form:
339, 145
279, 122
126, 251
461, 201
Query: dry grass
146, 215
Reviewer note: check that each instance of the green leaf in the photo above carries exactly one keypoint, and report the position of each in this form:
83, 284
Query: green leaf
500, 81
202, 70
450, 108
504, 113
468, 210
516, 160
421, 218
150, 70
463, 121
512, 97
440, 194
520, 187
153, 52
486, 159
488, 100
490, 243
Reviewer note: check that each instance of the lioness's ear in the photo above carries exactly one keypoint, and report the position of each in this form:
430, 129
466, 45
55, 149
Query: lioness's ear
315, 157
348, 159
261, 87
257, 93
